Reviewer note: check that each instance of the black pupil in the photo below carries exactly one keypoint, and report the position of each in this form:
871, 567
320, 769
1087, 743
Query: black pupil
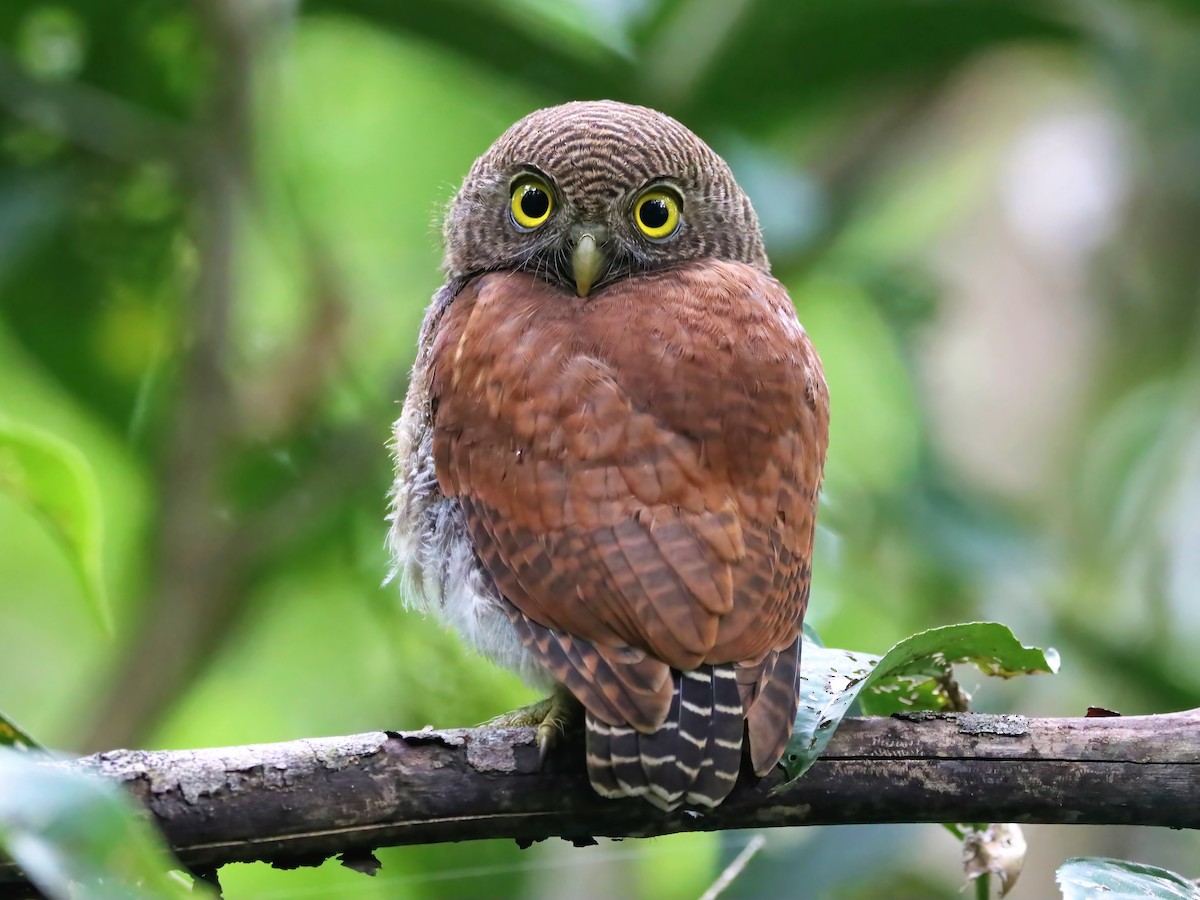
535, 202
654, 213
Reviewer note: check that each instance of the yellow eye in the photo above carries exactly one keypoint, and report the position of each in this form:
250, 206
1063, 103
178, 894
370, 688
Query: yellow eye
531, 203
657, 213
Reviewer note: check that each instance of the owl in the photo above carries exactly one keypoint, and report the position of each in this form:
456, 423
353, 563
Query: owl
608, 461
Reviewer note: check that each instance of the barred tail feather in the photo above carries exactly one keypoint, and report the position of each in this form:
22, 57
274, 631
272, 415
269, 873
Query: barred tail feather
771, 718
723, 757
693, 757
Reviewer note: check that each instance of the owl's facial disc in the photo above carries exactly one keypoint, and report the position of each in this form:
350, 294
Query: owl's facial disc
664, 197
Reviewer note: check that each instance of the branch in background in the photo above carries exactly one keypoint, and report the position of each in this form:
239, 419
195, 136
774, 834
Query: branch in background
206, 555
198, 565
91, 118
734, 869
300, 802
849, 170
286, 395
567, 64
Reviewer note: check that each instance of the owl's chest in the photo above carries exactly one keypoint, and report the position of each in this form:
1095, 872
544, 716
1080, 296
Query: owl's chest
697, 349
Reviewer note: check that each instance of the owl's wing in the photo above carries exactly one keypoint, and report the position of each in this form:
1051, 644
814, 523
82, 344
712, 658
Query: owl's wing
639, 472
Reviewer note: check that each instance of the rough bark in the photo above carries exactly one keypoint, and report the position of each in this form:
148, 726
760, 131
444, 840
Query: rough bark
300, 802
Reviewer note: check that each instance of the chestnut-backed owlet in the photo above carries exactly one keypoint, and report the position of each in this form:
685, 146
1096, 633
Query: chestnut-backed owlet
608, 461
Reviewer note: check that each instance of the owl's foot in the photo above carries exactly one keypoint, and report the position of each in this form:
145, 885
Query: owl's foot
551, 717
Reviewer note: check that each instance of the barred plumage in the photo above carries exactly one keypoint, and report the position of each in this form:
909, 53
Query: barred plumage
695, 755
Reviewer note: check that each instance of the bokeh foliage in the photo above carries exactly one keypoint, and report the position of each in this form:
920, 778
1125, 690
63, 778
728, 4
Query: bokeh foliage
218, 231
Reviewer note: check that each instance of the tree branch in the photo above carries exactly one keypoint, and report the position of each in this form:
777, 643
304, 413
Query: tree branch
299, 802
99, 121
200, 560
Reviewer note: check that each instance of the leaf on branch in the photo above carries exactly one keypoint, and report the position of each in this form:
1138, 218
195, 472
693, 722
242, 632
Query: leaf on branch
1089, 877
915, 675
54, 481
77, 836
14, 737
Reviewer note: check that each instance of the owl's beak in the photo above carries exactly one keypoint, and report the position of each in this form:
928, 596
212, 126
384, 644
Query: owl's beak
587, 259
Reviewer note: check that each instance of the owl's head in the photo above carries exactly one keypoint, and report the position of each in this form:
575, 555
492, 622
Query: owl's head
586, 193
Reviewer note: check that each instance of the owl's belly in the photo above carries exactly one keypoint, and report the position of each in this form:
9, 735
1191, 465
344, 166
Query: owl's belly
439, 572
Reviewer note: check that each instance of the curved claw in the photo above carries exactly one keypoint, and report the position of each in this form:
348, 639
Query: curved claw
551, 717
547, 735
563, 709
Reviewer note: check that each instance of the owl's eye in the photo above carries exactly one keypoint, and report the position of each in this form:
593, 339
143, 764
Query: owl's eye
656, 213
531, 203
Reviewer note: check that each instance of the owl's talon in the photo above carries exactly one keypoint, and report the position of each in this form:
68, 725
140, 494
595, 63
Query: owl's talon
551, 717
529, 716
562, 711
546, 737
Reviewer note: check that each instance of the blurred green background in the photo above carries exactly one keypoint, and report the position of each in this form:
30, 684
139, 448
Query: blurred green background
218, 232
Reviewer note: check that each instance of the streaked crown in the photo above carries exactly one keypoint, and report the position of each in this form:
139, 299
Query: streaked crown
596, 159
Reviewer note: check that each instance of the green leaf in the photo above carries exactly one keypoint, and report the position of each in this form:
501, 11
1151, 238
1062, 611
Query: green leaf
55, 482
912, 674
1092, 877
916, 674
16, 738
76, 836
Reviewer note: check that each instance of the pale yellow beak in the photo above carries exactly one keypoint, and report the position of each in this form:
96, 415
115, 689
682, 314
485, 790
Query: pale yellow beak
586, 262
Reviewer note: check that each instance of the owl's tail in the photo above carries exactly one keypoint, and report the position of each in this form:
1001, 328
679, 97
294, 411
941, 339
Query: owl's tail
693, 758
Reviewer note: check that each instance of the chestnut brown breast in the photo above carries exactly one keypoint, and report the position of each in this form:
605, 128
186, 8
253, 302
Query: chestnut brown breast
639, 469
